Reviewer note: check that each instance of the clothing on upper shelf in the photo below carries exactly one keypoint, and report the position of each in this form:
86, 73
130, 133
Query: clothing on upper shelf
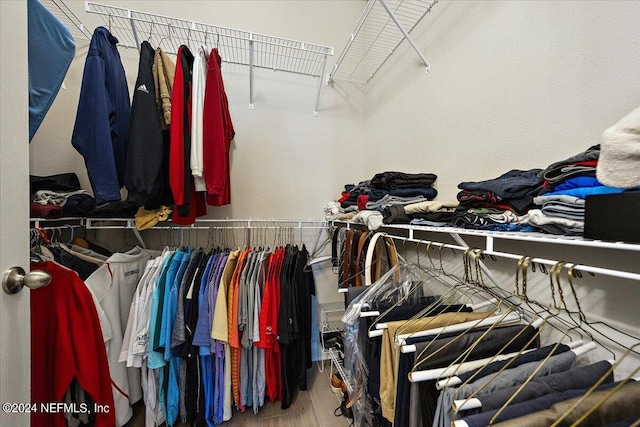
101, 129
59, 195
555, 173
391, 180
389, 188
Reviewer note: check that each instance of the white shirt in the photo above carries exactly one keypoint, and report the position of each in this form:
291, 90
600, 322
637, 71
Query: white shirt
200, 68
114, 285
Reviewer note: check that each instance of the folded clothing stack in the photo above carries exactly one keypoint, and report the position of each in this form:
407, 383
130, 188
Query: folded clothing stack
566, 185
59, 195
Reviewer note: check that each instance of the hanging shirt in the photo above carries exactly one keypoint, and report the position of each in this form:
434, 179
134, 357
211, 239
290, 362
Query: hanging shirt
189, 204
51, 49
134, 315
200, 66
218, 133
174, 277
220, 332
114, 285
62, 314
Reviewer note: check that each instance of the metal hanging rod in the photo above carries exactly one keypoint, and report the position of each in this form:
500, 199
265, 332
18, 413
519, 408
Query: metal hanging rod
581, 267
464, 247
200, 225
491, 236
235, 46
207, 224
381, 29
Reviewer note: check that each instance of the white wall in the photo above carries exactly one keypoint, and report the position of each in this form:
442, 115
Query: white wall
513, 84
286, 163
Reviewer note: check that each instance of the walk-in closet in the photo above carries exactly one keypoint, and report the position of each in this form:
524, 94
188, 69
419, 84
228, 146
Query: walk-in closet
368, 213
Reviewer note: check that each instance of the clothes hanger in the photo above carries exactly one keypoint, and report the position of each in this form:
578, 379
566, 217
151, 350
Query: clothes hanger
411, 292
453, 380
150, 32
610, 392
168, 36
571, 272
463, 328
458, 290
417, 376
471, 403
475, 286
524, 301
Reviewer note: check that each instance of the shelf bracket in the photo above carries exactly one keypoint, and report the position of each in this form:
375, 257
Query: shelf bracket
136, 233
324, 65
134, 30
405, 33
251, 71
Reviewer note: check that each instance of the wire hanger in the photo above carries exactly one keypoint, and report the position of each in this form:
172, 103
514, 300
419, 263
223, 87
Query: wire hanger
150, 32
608, 395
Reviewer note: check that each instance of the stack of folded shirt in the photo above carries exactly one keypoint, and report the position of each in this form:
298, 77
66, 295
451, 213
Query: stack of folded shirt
582, 164
562, 199
387, 189
513, 190
384, 190
398, 188
498, 204
562, 210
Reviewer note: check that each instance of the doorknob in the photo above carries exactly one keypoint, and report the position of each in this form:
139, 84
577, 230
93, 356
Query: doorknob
15, 279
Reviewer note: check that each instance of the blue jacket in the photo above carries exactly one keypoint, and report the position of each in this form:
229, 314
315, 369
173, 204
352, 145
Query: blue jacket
101, 131
51, 50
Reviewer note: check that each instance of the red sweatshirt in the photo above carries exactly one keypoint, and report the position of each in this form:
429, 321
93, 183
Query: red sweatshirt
67, 343
217, 135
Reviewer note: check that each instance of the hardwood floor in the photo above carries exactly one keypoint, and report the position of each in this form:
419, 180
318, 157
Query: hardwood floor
312, 408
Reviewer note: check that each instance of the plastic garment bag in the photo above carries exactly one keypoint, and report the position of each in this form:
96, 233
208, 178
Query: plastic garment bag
399, 285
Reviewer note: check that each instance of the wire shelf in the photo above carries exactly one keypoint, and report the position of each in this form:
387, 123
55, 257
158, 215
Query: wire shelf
332, 307
235, 46
333, 326
336, 360
382, 27
61, 11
